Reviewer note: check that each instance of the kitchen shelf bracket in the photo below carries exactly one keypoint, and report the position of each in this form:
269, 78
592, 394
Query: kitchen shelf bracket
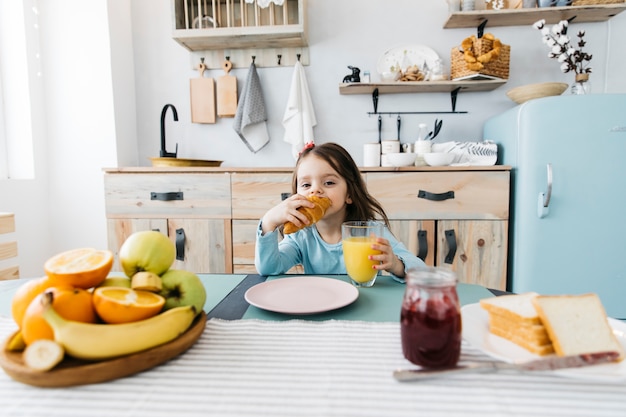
453, 96
481, 28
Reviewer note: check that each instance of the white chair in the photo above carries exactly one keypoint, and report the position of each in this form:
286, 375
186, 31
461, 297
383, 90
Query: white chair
9, 268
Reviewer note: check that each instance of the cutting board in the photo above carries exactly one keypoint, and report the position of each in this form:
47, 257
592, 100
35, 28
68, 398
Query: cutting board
227, 92
71, 372
202, 93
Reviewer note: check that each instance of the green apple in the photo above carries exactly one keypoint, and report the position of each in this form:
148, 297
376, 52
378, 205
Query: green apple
182, 288
147, 250
116, 282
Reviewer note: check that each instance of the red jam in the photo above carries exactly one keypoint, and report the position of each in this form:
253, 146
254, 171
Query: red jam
430, 319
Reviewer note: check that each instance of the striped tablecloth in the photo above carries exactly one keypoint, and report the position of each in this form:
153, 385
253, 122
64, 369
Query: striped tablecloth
302, 368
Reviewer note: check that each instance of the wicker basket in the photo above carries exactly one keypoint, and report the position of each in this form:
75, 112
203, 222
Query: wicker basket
498, 67
591, 2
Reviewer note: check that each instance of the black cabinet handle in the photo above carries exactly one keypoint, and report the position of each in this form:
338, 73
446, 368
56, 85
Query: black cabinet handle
434, 196
422, 244
180, 244
176, 195
451, 239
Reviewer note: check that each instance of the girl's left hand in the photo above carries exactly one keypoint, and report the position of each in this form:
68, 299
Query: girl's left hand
388, 260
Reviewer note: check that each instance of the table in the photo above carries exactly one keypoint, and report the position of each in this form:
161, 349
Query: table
268, 364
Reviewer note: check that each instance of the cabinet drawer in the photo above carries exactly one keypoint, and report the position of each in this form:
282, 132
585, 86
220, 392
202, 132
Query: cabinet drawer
254, 194
167, 195
482, 195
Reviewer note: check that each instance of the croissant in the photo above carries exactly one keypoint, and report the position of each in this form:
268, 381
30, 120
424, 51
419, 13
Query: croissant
313, 214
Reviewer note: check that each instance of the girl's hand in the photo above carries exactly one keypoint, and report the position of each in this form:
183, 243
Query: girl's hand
388, 260
286, 211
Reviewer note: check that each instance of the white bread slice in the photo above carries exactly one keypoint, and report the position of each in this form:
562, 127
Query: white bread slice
538, 348
533, 333
516, 307
577, 324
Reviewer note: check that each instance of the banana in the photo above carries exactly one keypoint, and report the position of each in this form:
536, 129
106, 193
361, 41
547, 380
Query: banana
146, 281
43, 354
16, 342
104, 341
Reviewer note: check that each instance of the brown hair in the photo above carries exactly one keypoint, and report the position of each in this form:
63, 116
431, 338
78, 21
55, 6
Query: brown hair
364, 206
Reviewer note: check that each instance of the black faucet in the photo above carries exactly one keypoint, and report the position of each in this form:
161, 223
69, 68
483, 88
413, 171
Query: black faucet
164, 153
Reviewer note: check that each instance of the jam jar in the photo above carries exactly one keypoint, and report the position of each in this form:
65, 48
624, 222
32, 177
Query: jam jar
430, 319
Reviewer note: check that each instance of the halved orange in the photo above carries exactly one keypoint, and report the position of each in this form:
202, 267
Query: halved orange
123, 305
82, 268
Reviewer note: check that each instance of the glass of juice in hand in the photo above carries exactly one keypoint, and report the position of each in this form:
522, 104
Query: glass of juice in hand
357, 240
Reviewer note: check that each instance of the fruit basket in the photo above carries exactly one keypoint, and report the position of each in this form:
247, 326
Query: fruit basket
73, 372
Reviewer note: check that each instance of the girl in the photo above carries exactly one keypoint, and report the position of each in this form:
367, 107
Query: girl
329, 171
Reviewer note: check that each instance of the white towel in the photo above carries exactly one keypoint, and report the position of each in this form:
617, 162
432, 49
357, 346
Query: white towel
251, 117
299, 117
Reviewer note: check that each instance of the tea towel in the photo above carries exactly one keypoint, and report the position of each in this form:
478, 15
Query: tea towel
299, 117
251, 117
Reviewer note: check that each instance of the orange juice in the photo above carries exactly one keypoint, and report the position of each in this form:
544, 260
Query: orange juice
356, 251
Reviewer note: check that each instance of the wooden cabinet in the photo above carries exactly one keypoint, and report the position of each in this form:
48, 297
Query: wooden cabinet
455, 218
252, 195
192, 209
447, 215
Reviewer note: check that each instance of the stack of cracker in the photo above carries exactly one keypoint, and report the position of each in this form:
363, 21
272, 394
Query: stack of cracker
515, 318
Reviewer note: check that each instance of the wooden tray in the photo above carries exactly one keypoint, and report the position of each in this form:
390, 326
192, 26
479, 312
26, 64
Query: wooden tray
73, 372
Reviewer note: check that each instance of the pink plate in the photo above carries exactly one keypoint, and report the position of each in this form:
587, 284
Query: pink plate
302, 295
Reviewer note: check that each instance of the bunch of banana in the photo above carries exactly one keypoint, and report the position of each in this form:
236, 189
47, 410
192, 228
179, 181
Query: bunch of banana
412, 73
104, 341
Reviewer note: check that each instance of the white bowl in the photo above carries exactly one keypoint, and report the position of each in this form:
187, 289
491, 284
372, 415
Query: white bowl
438, 159
400, 159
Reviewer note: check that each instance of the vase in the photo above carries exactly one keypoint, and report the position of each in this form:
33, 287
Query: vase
581, 85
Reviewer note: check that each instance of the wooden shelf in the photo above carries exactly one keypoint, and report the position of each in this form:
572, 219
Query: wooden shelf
419, 86
520, 17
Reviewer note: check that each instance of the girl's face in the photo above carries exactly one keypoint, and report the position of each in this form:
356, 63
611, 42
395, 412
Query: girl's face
316, 176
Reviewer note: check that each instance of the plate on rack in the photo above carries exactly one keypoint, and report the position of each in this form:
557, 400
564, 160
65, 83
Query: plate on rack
476, 332
72, 372
406, 56
302, 295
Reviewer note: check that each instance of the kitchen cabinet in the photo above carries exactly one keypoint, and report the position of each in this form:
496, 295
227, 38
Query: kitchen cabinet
455, 216
459, 219
192, 209
519, 17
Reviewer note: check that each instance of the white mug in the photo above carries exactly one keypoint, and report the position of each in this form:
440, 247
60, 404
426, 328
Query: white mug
371, 155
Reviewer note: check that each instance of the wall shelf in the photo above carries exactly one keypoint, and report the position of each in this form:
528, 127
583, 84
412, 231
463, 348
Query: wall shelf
520, 17
419, 86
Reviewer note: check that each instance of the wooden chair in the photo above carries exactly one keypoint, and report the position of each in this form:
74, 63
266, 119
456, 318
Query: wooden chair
8, 248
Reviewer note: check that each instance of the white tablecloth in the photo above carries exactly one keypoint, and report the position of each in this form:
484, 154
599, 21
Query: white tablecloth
301, 368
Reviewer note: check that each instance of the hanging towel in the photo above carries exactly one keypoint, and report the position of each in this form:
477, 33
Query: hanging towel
251, 117
299, 117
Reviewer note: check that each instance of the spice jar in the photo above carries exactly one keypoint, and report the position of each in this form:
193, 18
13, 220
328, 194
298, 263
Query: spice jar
430, 319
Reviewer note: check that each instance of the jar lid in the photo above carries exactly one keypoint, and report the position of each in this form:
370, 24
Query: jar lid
431, 276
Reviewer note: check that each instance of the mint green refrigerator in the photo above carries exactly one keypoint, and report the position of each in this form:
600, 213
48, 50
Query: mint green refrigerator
568, 208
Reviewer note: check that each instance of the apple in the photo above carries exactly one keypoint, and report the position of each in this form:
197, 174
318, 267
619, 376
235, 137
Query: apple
147, 250
182, 288
116, 282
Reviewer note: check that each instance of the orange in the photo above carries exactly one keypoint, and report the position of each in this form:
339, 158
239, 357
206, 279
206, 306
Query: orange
71, 304
82, 268
25, 294
123, 305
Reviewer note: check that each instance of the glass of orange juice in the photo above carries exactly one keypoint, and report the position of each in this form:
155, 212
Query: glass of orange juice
357, 240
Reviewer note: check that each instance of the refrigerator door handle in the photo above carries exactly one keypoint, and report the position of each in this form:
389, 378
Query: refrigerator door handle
543, 202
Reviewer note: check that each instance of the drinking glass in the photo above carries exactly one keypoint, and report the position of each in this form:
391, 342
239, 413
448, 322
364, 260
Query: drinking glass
357, 239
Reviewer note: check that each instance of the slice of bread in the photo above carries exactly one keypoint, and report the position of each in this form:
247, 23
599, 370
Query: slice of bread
538, 348
576, 324
516, 307
534, 333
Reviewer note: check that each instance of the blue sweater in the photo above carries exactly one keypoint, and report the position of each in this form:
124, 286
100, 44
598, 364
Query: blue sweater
307, 248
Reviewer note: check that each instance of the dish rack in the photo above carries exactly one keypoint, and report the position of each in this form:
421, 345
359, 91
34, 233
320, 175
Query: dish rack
220, 24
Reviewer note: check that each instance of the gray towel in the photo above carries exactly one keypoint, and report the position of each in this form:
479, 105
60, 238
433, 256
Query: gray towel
250, 119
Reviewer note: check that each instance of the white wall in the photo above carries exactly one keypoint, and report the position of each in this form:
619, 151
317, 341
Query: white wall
109, 66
